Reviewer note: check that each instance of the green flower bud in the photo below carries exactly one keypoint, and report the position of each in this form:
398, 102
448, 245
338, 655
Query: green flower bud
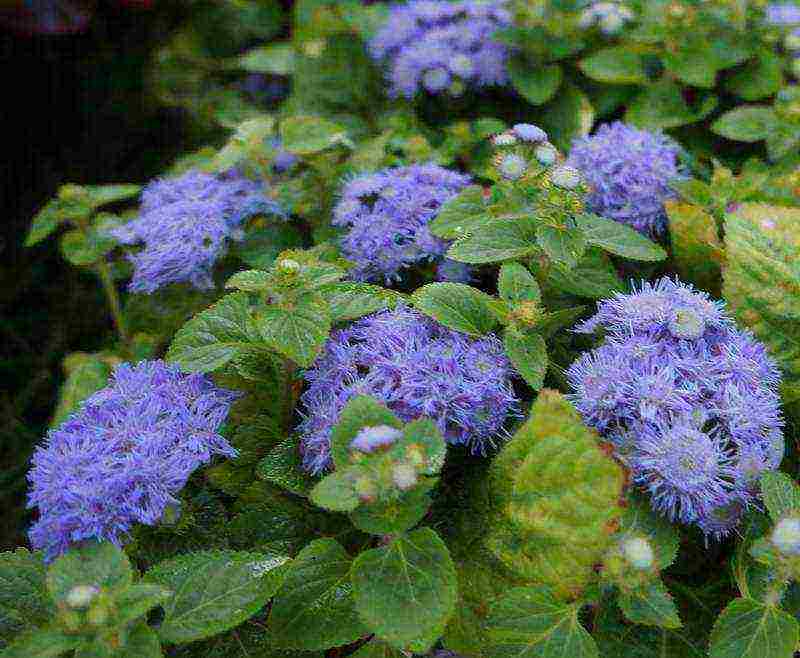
546, 154
638, 552
512, 166
786, 536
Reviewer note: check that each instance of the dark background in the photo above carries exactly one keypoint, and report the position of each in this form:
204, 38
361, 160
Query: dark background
75, 109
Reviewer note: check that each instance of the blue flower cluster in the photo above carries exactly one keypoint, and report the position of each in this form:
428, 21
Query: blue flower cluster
417, 368
387, 215
782, 14
437, 46
125, 454
628, 171
184, 224
689, 402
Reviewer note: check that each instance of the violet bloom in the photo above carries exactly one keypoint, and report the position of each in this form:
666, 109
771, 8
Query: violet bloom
122, 458
184, 225
417, 368
387, 214
689, 402
782, 14
436, 45
629, 172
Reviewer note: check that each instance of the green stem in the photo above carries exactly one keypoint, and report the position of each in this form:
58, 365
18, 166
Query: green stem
112, 297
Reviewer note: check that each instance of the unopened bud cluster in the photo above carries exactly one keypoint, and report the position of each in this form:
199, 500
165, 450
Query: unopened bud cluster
523, 152
609, 17
631, 562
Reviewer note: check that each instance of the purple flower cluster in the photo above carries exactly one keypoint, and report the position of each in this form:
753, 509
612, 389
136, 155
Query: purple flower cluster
417, 368
629, 171
184, 224
782, 14
689, 401
125, 454
432, 45
387, 215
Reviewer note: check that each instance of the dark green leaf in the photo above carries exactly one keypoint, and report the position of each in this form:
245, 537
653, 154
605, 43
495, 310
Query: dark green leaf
351, 300
41, 644
495, 241
392, 517
528, 354
297, 333
457, 306
537, 84
762, 77
748, 123
651, 605
98, 564
461, 214
747, 629
23, 596
282, 466
516, 284
562, 245
406, 592
615, 65
619, 239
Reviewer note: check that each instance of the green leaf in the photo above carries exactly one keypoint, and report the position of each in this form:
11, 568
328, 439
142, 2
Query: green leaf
71, 204
661, 106
336, 492
615, 65
570, 114
405, 592
619, 239
457, 306
102, 195
315, 609
392, 517
23, 598
141, 641
562, 245
214, 591
557, 493
361, 411
305, 135
250, 281
98, 564
495, 241
41, 644
377, 649
528, 354
460, 214
215, 336
297, 333
84, 248
747, 629
780, 493
350, 300
282, 466
761, 278
696, 246
760, 78
137, 600
86, 374
536, 84
594, 277
247, 142
516, 284
532, 622
748, 123
651, 605
261, 247
693, 63
275, 58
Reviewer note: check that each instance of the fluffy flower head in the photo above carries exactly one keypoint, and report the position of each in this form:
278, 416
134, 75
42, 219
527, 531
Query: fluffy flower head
125, 454
387, 215
688, 401
436, 45
629, 171
782, 14
184, 224
417, 368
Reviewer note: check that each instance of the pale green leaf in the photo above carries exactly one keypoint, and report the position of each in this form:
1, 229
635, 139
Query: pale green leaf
297, 333
747, 629
651, 605
495, 241
528, 354
97, 564
516, 284
748, 123
615, 65
461, 214
619, 239
456, 306
537, 84
781, 494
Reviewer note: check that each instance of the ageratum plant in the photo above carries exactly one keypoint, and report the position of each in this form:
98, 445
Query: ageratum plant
471, 330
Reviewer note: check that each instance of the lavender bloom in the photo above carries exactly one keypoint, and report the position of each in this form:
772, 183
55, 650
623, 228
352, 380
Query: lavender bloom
387, 214
125, 454
417, 368
782, 14
429, 45
689, 401
184, 224
629, 171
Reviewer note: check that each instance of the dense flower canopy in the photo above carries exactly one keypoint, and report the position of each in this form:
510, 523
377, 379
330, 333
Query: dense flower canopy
689, 401
387, 214
184, 224
629, 172
125, 454
432, 45
417, 368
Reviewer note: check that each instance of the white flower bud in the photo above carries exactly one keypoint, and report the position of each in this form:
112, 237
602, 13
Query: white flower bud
81, 596
546, 154
638, 552
565, 177
404, 476
786, 536
288, 266
512, 166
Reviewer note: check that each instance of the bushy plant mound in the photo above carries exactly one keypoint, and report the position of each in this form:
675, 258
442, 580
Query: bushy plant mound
473, 330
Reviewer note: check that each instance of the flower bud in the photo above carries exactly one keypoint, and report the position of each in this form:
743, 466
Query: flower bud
638, 552
792, 41
288, 266
365, 488
527, 132
786, 536
567, 178
370, 439
504, 139
404, 476
546, 154
512, 166
435, 80
80, 596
